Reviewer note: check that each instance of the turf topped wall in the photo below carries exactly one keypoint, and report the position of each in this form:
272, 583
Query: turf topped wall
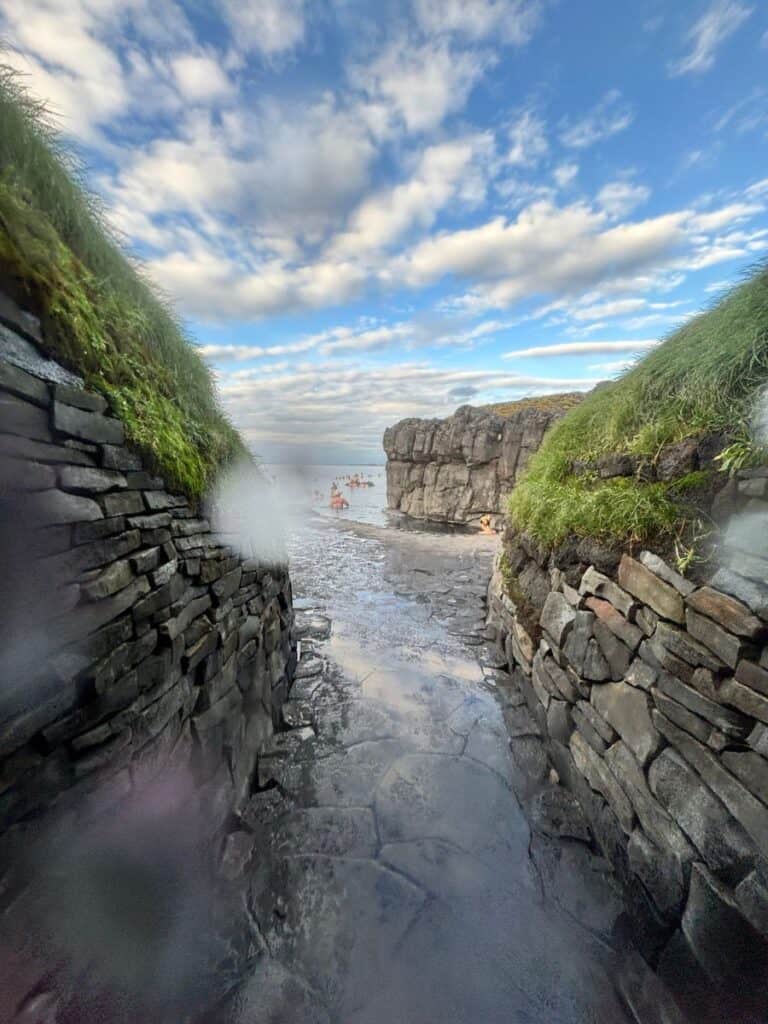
144, 665
607, 469
104, 320
647, 695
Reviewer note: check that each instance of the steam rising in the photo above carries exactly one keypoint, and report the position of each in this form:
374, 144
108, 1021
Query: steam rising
255, 514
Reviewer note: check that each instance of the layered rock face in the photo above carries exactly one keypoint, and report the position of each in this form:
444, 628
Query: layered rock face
648, 694
459, 469
144, 664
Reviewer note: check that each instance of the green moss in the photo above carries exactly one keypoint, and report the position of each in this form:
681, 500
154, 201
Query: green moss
703, 379
102, 317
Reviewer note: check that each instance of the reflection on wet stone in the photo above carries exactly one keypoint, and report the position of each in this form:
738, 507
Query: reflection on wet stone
395, 877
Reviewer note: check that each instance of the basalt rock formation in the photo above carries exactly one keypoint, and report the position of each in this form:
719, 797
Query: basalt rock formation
459, 469
144, 664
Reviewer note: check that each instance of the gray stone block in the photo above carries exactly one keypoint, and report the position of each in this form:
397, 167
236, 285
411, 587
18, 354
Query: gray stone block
628, 710
647, 587
600, 777
721, 842
750, 812
89, 480
87, 400
731, 951
86, 426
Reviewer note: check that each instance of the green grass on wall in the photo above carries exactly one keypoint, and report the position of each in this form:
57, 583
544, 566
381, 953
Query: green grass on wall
104, 317
704, 378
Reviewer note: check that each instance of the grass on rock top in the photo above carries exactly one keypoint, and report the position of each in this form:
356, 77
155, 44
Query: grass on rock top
102, 317
704, 378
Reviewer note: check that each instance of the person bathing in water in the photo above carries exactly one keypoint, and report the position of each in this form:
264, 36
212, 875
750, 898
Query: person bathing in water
337, 498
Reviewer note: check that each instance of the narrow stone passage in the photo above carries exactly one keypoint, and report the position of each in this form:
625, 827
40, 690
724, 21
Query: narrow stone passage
395, 881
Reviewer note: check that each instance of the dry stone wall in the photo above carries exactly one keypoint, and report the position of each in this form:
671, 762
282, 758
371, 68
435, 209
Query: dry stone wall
648, 695
135, 644
462, 468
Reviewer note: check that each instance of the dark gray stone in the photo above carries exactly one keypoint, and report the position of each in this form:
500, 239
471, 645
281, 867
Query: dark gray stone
87, 400
750, 812
745, 699
559, 721
557, 618
575, 647
727, 721
616, 653
108, 581
750, 674
600, 777
89, 480
22, 353
628, 710
99, 529
25, 448
87, 426
158, 501
721, 841
683, 646
725, 645
50, 507
596, 667
641, 674
118, 457
751, 768
656, 822
22, 384
557, 813
22, 477
681, 716
123, 503
731, 951
23, 418
660, 872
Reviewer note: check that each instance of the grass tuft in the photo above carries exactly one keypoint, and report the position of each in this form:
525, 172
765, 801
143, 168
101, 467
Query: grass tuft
705, 378
103, 317
542, 403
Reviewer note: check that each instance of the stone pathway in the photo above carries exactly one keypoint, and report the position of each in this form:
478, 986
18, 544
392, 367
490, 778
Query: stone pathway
394, 879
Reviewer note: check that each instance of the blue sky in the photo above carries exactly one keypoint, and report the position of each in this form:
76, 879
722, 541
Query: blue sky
369, 211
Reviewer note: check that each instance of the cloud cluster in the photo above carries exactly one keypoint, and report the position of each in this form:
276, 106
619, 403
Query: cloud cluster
718, 23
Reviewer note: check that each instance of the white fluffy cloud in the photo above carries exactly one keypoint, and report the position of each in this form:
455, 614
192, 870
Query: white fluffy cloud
449, 170
200, 78
268, 27
416, 85
619, 198
707, 35
580, 348
610, 116
527, 141
545, 250
511, 21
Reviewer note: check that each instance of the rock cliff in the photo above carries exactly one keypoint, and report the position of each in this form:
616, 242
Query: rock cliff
461, 468
144, 664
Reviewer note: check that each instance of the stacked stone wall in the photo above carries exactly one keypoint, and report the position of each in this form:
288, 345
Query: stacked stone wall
135, 644
646, 695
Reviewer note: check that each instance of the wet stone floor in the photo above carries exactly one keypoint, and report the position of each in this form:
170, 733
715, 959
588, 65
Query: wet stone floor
394, 879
